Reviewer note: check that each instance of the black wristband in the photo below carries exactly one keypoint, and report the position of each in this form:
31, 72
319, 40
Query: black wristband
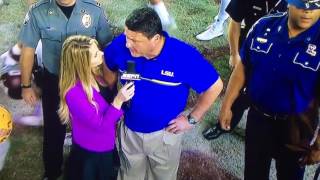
25, 86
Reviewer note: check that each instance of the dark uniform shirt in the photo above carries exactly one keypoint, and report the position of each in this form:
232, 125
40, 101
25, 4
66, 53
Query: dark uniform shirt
283, 71
247, 12
47, 22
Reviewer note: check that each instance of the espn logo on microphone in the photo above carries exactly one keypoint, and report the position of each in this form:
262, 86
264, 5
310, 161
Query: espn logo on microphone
130, 77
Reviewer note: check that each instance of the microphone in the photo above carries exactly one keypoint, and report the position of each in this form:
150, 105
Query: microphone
130, 74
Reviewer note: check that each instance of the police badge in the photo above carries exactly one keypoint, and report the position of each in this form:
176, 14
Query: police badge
86, 20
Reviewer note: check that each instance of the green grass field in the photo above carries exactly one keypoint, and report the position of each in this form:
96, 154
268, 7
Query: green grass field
192, 16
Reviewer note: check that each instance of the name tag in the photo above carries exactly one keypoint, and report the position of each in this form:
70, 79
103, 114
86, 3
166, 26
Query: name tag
262, 40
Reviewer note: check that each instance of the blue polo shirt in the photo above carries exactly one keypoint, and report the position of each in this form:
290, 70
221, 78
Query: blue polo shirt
155, 104
282, 71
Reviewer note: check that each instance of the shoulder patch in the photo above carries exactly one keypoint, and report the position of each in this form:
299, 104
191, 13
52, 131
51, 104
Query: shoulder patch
26, 18
31, 8
263, 20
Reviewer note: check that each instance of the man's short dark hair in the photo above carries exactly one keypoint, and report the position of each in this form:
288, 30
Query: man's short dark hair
144, 20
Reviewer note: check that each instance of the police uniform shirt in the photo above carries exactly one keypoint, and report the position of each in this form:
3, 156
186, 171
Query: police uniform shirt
174, 71
46, 21
283, 71
249, 11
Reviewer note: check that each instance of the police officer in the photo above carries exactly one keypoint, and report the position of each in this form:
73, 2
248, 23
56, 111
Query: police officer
243, 13
52, 21
281, 57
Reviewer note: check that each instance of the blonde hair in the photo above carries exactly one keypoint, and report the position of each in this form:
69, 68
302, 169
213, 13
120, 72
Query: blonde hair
75, 65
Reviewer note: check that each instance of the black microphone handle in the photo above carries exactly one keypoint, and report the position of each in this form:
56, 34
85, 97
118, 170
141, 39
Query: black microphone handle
131, 68
129, 101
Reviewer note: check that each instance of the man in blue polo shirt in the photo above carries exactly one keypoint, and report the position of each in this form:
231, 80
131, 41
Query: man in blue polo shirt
281, 57
154, 123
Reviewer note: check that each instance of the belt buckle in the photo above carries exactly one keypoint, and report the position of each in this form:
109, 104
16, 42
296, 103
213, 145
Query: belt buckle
279, 117
274, 117
267, 115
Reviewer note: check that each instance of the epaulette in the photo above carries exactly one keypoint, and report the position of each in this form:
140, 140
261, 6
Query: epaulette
265, 19
94, 2
278, 14
39, 3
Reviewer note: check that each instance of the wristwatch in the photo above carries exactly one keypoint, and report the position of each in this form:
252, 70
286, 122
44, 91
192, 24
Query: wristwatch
25, 86
192, 120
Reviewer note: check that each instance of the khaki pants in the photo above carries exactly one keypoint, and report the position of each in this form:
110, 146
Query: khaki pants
151, 156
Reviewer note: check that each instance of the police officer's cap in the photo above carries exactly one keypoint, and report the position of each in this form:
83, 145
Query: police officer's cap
305, 4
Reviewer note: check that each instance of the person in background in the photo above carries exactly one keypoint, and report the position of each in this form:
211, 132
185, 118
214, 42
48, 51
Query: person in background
216, 28
279, 61
243, 13
92, 119
166, 20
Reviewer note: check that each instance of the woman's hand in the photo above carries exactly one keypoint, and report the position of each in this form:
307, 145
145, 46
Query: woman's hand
124, 94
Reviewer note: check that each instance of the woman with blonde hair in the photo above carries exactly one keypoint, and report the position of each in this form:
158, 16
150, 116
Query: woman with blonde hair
92, 119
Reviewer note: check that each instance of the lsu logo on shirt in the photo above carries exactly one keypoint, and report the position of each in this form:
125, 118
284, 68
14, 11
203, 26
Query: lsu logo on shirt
167, 73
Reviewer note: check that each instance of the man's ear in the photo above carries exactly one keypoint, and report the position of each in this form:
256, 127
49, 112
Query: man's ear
156, 37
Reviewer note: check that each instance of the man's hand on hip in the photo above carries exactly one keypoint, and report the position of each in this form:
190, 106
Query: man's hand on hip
179, 125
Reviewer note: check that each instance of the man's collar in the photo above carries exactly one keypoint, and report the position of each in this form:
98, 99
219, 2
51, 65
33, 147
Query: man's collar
308, 35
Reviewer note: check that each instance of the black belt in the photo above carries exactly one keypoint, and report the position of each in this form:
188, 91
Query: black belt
269, 115
49, 74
